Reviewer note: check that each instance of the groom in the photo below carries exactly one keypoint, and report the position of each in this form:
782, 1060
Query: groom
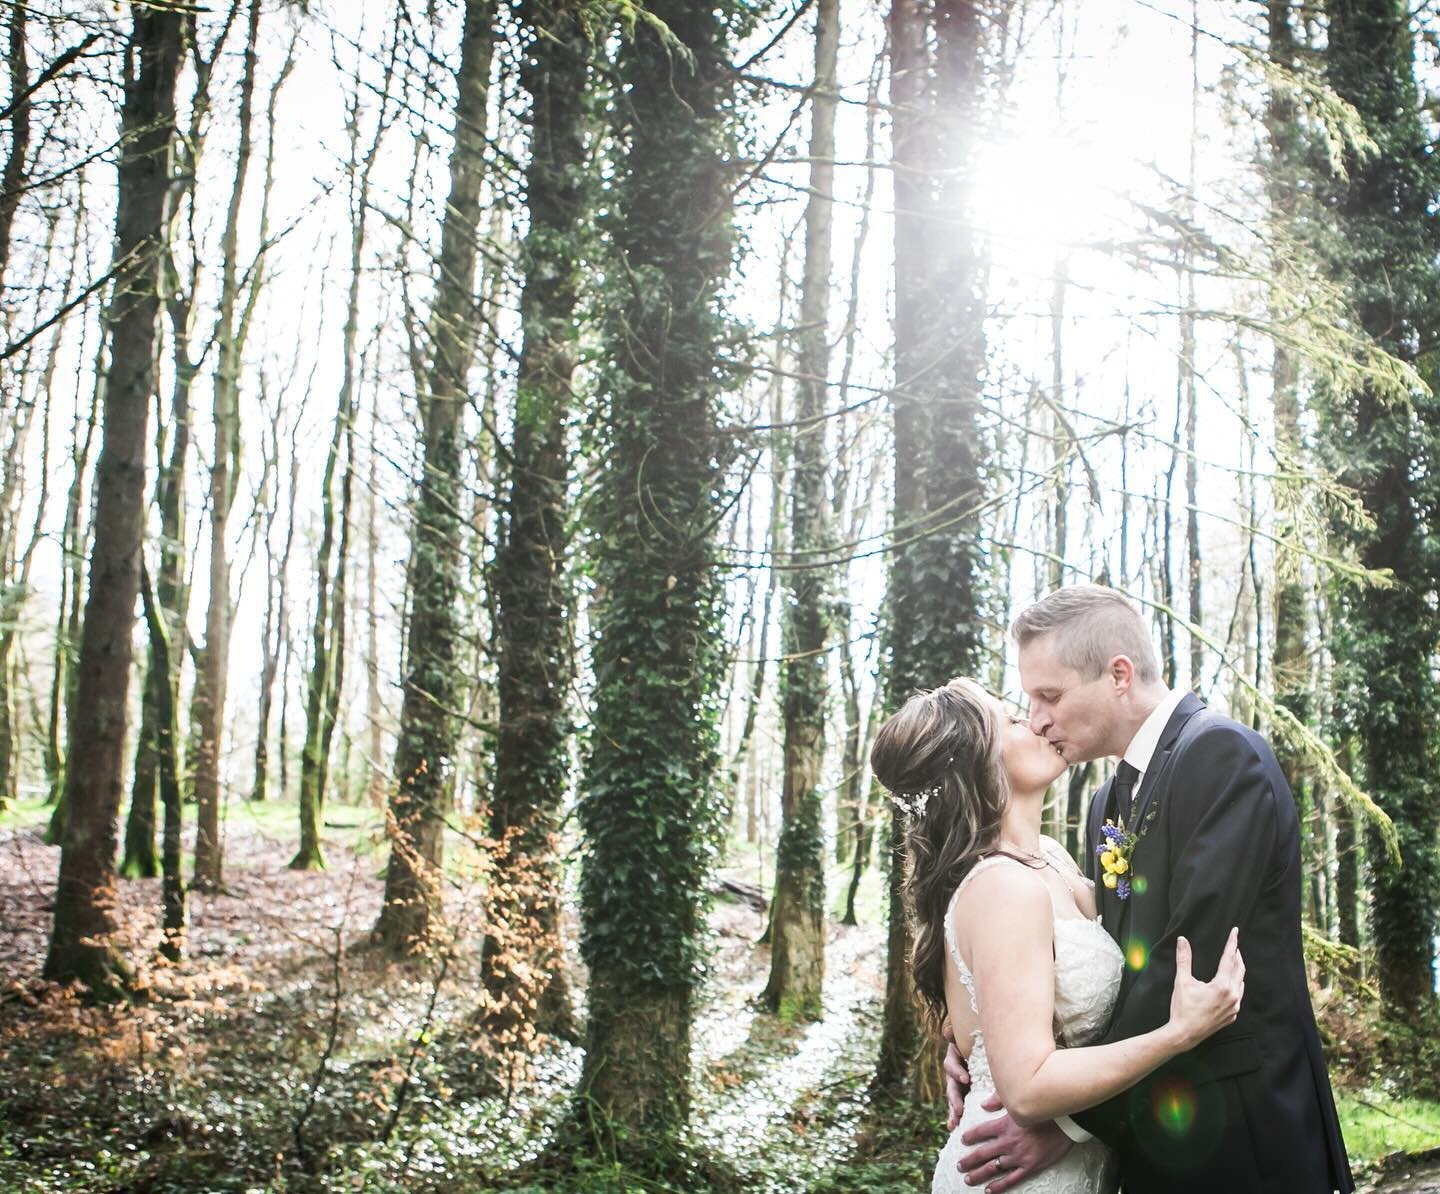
1218, 845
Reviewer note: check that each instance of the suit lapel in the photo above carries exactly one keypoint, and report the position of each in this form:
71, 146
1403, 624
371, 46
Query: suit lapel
1105, 900
1115, 911
1189, 705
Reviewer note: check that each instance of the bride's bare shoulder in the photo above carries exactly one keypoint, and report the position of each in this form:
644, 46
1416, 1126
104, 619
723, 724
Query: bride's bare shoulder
1002, 880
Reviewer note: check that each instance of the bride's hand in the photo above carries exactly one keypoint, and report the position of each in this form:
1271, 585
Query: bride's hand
1198, 1009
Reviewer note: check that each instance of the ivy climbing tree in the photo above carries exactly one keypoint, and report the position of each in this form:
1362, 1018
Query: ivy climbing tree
650, 811
532, 761
936, 594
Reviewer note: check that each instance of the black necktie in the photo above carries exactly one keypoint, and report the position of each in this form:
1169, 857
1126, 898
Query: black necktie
1125, 776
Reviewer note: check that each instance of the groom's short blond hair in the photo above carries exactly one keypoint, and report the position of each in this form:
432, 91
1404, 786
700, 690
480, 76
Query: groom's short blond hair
1091, 624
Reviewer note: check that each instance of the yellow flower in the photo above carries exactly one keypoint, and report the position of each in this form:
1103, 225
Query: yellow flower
1107, 859
1121, 866
1111, 878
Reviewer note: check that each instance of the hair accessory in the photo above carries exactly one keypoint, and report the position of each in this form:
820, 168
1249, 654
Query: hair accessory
913, 803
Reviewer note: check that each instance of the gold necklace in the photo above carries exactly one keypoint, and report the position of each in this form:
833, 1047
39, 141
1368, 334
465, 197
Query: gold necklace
1043, 861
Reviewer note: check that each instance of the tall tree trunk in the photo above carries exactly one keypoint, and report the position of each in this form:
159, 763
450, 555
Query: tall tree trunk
140, 860
339, 627
309, 855
273, 634
870, 811
1347, 876
658, 651
16, 571
797, 913
1290, 657
1387, 637
532, 760
167, 739
936, 591
421, 795
1188, 316
324, 648
13, 174
229, 339
73, 538
172, 450
374, 707
80, 947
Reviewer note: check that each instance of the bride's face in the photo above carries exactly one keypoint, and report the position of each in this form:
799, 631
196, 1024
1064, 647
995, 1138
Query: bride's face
1030, 761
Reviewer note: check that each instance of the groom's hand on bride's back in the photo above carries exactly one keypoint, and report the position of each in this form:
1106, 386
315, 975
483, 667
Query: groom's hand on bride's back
1002, 1153
957, 1078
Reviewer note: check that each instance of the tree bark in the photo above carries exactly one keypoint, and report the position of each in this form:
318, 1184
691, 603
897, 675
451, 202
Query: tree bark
229, 338
80, 947
326, 632
936, 595
172, 449
649, 809
425, 748
533, 601
166, 739
797, 913
13, 174
1387, 637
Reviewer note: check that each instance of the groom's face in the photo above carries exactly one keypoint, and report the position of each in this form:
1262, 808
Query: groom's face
1076, 715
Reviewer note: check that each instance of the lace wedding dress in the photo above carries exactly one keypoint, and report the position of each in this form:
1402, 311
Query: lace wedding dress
1088, 965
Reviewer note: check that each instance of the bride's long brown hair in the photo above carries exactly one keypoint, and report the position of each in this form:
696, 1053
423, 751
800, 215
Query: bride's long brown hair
945, 742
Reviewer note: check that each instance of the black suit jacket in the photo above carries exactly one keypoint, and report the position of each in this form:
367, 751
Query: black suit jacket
1250, 1109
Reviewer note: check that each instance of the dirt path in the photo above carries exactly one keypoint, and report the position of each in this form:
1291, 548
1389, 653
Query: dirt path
1419, 1174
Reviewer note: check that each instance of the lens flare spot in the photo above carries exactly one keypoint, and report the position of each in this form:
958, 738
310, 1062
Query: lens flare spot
1137, 954
1174, 1105
1138, 884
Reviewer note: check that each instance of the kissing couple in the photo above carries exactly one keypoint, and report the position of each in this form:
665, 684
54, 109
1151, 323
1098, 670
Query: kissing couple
1110, 1030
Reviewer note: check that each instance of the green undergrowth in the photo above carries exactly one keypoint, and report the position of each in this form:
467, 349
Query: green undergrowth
1376, 1124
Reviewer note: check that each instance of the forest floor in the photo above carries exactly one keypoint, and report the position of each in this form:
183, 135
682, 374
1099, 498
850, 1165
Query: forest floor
283, 1054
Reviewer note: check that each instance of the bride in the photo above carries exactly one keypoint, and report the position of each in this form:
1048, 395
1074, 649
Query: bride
1008, 947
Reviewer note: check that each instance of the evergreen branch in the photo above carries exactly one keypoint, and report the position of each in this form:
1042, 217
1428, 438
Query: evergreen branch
1296, 734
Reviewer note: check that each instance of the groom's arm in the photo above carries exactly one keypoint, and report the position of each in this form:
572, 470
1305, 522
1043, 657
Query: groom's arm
1223, 830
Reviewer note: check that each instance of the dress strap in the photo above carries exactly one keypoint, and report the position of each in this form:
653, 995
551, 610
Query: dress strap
966, 979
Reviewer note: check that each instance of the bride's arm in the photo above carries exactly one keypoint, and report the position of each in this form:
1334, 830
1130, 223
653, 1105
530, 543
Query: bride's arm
1012, 959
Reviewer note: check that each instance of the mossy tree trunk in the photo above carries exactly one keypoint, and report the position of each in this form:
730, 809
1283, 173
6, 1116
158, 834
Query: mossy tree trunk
172, 451
167, 740
426, 747
650, 810
309, 856
797, 914
80, 945
533, 601
936, 599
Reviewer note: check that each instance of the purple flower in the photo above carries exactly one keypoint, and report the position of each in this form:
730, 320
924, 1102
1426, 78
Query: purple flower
1122, 888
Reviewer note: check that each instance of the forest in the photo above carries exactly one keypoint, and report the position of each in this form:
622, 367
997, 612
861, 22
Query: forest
476, 474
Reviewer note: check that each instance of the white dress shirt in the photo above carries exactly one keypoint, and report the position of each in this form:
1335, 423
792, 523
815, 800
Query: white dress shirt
1141, 751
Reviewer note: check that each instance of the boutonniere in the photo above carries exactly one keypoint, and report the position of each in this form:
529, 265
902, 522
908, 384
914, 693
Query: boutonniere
1114, 851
